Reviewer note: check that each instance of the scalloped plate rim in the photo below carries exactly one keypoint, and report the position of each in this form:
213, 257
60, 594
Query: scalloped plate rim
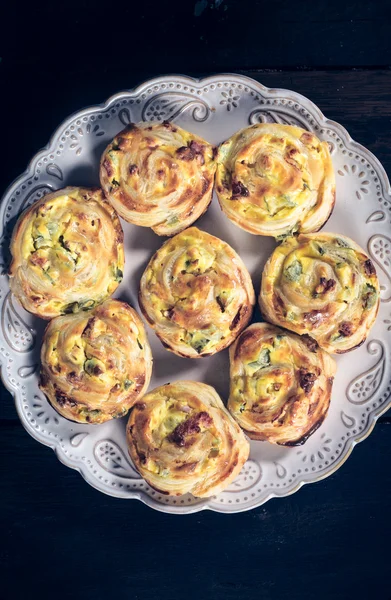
155, 80
178, 510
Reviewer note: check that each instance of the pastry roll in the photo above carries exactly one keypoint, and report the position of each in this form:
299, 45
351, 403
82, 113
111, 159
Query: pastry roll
280, 384
196, 293
182, 439
323, 285
275, 180
95, 365
159, 176
67, 253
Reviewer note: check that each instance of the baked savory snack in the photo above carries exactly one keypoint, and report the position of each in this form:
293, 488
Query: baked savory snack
323, 285
274, 180
158, 175
280, 384
182, 439
95, 365
196, 293
67, 253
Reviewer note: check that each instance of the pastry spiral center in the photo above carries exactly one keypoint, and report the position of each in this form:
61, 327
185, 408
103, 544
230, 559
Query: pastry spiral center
151, 175
271, 381
312, 280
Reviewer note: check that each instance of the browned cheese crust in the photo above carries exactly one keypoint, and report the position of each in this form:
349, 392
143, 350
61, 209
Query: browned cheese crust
280, 384
182, 439
95, 365
196, 293
158, 175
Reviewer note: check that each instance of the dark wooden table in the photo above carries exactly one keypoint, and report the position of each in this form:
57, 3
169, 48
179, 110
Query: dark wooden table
59, 537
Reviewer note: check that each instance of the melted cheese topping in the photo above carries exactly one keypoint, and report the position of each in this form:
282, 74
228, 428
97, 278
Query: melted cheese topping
196, 293
323, 285
158, 175
182, 439
95, 366
280, 384
67, 253
275, 179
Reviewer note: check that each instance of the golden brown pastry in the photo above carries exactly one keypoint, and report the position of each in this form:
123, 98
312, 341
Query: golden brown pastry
182, 439
196, 293
67, 253
280, 384
95, 365
323, 285
158, 175
274, 180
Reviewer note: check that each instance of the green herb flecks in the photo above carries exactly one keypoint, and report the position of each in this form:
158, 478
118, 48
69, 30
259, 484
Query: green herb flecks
89, 414
341, 243
47, 275
369, 296
294, 271
220, 302
291, 316
173, 220
262, 361
87, 304
276, 205
40, 242
118, 274
52, 228
290, 233
277, 340
288, 202
199, 344
73, 307
93, 366
128, 383
121, 413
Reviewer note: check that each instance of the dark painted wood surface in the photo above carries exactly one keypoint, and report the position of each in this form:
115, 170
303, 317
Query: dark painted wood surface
328, 541
61, 538
189, 35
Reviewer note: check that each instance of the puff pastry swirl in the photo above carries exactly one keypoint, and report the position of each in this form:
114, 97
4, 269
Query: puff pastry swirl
96, 365
196, 293
182, 439
158, 175
324, 285
67, 253
274, 180
280, 384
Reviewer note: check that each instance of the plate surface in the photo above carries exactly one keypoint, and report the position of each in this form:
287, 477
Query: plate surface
213, 108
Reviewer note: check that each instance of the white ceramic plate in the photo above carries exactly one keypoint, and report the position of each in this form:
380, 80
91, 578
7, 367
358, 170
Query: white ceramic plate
214, 108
